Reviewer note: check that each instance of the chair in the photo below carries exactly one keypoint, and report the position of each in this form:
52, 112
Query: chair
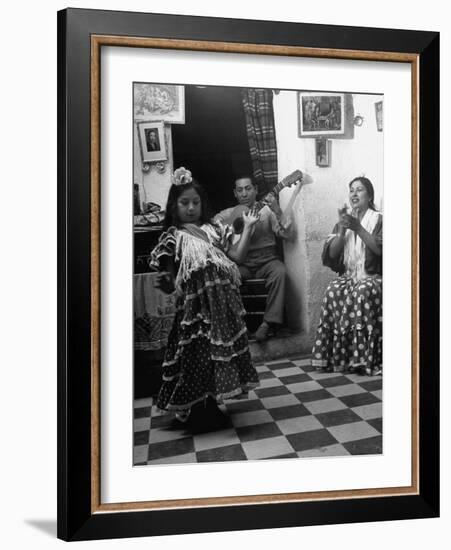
254, 296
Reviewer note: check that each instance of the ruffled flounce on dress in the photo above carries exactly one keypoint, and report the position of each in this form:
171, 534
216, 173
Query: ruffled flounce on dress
207, 352
349, 333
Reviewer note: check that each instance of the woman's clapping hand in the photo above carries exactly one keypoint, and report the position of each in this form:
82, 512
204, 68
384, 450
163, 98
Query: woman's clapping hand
351, 223
347, 221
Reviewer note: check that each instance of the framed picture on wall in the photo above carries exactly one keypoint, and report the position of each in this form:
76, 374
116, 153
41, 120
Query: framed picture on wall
321, 113
262, 469
325, 114
152, 141
323, 149
164, 102
379, 111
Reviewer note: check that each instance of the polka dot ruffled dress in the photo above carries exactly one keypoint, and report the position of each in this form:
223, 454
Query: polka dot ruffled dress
349, 333
207, 351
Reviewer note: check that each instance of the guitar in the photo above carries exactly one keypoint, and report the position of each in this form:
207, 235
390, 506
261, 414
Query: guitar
236, 216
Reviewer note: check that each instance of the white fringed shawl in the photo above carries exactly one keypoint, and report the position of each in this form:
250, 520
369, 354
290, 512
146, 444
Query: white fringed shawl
195, 253
354, 249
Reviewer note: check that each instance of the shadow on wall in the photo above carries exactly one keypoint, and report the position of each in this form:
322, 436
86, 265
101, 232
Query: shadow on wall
296, 262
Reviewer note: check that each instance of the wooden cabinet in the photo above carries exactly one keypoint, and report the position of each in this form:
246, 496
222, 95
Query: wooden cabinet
144, 240
152, 316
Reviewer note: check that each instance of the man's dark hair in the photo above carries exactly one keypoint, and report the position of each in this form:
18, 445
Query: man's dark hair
245, 177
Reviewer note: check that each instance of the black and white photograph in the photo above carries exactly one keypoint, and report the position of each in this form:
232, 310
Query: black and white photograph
323, 152
152, 141
321, 113
198, 348
160, 102
378, 107
257, 282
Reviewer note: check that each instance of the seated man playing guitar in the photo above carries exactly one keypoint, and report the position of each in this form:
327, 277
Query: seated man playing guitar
262, 260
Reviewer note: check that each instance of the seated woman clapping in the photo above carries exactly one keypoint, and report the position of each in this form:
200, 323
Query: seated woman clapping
349, 334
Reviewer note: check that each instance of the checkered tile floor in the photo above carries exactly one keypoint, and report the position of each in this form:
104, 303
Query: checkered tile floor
296, 412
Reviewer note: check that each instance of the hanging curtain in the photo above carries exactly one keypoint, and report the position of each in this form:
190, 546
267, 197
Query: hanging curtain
261, 134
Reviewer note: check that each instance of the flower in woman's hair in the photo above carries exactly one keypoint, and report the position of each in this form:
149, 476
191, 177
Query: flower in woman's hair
182, 176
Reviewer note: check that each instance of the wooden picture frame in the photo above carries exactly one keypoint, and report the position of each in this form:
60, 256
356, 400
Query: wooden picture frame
379, 112
81, 513
323, 151
323, 114
152, 141
160, 102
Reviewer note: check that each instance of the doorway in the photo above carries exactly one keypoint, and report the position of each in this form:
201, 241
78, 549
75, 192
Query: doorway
213, 142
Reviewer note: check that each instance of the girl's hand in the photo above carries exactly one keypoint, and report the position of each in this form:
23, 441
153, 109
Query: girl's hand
250, 219
165, 282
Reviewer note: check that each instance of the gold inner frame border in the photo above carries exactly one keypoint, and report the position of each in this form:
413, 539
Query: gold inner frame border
97, 41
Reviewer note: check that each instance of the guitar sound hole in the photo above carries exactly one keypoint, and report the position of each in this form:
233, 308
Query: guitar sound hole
238, 225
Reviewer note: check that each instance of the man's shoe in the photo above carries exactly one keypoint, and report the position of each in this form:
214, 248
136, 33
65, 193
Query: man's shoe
262, 332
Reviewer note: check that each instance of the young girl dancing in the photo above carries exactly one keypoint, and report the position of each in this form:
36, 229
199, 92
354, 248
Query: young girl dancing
207, 358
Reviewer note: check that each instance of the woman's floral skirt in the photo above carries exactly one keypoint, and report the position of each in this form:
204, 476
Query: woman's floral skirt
349, 334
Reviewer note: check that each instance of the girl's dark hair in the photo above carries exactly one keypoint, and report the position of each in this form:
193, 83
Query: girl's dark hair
171, 217
369, 189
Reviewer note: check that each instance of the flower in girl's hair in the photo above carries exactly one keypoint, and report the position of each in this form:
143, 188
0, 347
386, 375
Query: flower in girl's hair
181, 176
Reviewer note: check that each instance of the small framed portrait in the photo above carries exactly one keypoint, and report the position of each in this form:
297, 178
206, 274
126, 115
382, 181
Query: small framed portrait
323, 152
151, 141
379, 108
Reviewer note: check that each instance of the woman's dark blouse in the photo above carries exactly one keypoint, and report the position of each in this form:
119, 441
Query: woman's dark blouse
373, 262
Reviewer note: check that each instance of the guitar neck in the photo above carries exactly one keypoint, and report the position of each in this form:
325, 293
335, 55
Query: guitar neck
236, 218
275, 191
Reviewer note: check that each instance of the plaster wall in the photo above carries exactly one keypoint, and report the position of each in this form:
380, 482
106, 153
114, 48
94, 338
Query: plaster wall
315, 210
153, 186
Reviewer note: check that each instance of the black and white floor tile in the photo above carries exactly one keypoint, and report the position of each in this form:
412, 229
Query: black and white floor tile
296, 412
